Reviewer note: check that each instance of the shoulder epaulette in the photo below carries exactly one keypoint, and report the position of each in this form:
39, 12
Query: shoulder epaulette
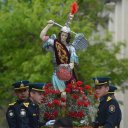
26, 104
12, 104
108, 98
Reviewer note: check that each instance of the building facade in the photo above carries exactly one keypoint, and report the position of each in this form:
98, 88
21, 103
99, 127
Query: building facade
118, 25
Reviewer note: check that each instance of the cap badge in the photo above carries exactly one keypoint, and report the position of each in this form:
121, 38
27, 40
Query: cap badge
22, 85
96, 81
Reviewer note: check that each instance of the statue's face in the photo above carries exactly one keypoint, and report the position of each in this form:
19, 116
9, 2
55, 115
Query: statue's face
64, 37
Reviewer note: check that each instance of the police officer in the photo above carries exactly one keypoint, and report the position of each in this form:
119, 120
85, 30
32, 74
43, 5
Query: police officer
112, 90
29, 110
21, 89
109, 113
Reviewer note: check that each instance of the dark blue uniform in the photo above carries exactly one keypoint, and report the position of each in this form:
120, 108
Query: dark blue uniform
12, 115
23, 115
28, 111
29, 115
109, 113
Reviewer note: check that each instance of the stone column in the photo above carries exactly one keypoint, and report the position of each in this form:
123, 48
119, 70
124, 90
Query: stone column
118, 25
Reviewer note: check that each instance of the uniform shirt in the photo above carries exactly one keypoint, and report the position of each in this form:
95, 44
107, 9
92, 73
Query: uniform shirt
109, 113
29, 115
12, 114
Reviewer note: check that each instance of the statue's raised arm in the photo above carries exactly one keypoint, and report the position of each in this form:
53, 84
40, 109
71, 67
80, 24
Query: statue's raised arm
43, 33
64, 52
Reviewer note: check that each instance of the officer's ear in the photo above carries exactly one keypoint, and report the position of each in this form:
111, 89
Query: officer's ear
30, 94
107, 87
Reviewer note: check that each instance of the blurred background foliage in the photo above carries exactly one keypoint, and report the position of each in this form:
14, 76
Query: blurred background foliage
21, 53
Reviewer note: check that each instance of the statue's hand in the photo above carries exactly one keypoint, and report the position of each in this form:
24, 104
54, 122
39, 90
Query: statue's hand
71, 65
50, 22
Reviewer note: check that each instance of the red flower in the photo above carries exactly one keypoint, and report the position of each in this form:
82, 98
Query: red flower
46, 115
48, 85
75, 96
49, 104
62, 99
80, 114
79, 103
68, 90
55, 113
56, 102
87, 87
69, 85
76, 114
86, 104
79, 83
95, 96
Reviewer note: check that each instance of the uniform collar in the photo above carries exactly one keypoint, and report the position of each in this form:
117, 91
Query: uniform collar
104, 97
34, 104
20, 101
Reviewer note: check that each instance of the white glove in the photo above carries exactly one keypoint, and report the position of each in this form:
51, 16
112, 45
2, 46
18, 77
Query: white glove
82, 121
50, 122
71, 65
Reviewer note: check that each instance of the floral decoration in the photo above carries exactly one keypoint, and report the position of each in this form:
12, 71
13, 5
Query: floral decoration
79, 103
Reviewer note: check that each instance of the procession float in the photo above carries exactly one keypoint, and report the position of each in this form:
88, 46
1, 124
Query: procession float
66, 95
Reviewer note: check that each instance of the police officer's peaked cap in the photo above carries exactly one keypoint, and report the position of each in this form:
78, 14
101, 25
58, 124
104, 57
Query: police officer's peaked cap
20, 84
36, 86
101, 81
112, 89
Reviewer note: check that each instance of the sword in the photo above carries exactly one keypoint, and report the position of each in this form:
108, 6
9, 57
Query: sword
80, 41
62, 26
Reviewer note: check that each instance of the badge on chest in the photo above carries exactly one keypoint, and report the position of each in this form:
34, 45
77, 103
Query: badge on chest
22, 112
111, 108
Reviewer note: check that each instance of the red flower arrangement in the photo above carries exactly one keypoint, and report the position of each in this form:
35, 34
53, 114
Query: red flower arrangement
78, 103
